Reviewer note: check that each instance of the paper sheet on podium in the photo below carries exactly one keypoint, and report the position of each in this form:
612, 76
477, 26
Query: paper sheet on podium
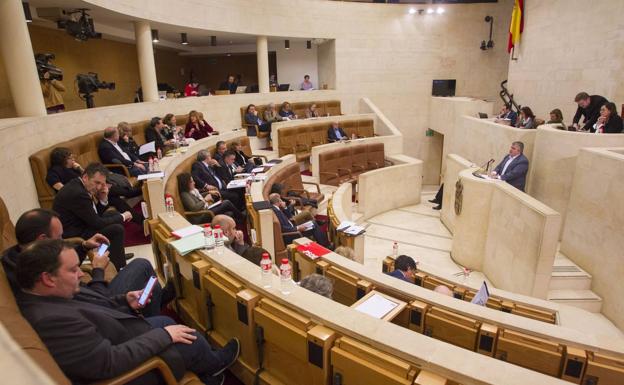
377, 306
190, 243
237, 183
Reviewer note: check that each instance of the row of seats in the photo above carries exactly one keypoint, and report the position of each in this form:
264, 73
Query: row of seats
343, 165
429, 281
324, 108
85, 149
545, 356
299, 140
278, 344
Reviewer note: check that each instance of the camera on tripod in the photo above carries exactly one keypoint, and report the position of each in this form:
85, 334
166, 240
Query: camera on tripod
43, 65
88, 84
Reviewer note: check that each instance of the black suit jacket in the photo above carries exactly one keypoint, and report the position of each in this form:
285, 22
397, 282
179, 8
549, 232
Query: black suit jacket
331, 135
225, 173
591, 112
74, 205
204, 175
91, 342
151, 135
109, 154
614, 125
285, 223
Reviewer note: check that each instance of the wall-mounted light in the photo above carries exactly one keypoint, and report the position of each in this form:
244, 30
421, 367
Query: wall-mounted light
287, 44
27, 13
155, 35
490, 43
440, 10
309, 44
430, 11
213, 41
183, 39
412, 11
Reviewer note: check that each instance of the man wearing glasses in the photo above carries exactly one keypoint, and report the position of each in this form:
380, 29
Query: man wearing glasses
82, 206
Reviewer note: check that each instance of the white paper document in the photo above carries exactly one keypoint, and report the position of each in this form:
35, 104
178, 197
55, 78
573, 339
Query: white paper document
147, 147
269, 164
217, 203
258, 169
187, 231
309, 225
345, 225
258, 177
151, 175
237, 183
482, 295
376, 306
354, 230
190, 243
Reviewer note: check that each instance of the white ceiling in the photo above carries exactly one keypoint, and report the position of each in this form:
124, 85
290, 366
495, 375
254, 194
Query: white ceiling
120, 27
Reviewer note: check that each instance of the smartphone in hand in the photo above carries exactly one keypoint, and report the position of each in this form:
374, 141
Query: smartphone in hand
147, 291
102, 249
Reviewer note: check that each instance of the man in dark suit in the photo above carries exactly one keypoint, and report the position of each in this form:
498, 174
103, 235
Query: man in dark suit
81, 203
335, 133
288, 226
39, 224
220, 149
91, 342
513, 168
508, 114
230, 84
206, 179
228, 169
589, 108
404, 268
111, 153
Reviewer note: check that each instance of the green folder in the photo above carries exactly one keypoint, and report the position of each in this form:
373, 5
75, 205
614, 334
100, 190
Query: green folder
190, 243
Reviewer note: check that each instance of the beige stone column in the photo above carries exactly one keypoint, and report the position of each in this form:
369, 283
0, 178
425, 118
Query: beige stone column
145, 55
262, 56
19, 60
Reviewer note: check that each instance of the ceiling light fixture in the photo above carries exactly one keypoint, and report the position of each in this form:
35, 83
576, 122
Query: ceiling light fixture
213, 41
27, 13
309, 44
440, 10
155, 35
183, 38
287, 44
430, 11
412, 11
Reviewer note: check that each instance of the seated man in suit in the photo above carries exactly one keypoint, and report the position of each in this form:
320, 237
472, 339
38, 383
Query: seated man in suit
38, 224
228, 169
206, 179
335, 133
220, 149
229, 84
92, 342
507, 116
111, 153
513, 168
236, 241
81, 204
288, 225
404, 268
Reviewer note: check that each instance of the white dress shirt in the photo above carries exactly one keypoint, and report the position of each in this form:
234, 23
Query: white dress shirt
119, 150
511, 158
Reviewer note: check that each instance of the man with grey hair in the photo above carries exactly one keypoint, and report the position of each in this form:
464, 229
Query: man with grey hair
111, 153
308, 229
207, 179
513, 168
319, 284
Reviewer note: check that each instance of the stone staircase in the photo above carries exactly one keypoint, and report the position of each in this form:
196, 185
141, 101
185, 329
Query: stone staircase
570, 285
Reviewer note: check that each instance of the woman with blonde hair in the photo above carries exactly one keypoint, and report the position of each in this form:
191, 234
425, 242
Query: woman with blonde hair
195, 128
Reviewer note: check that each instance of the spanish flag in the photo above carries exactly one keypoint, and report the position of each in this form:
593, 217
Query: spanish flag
517, 24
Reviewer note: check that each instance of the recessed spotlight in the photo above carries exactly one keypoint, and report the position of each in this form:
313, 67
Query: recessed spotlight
412, 11
183, 39
287, 44
213, 41
430, 11
440, 10
27, 13
155, 35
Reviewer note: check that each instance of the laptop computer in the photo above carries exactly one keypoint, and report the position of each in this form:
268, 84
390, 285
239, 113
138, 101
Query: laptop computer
483, 115
283, 87
241, 89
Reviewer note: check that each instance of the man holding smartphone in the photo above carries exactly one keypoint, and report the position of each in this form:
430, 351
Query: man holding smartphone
39, 224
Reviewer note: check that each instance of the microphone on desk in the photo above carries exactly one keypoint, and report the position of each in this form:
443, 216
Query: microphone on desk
485, 166
488, 164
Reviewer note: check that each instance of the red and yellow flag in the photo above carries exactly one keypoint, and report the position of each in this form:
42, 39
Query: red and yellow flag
517, 24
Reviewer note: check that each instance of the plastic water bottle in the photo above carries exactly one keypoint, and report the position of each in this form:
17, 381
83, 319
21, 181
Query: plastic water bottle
209, 242
395, 250
267, 274
156, 165
159, 154
285, 277
217, 233
150, 167
169, 209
